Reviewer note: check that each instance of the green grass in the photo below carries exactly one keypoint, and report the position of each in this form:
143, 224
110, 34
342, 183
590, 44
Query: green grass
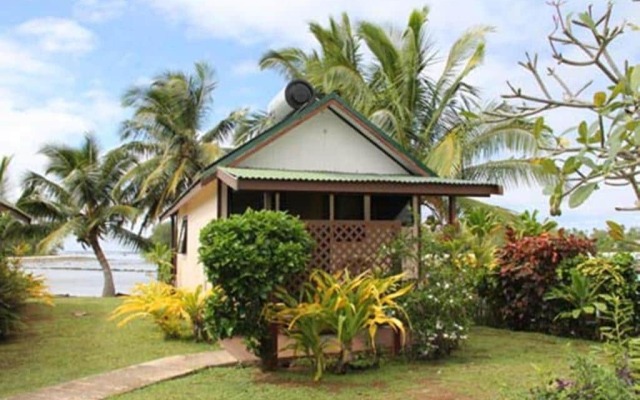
492, 364
61, 343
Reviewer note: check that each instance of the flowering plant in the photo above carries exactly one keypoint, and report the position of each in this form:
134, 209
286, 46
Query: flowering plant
440, 306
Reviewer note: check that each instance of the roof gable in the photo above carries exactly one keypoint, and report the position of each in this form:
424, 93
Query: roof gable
337, 106
330, 102
325, 142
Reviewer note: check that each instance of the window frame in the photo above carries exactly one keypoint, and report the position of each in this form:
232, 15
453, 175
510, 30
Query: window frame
183, 236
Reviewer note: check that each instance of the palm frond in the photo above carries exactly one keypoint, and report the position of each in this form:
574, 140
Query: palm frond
510, 173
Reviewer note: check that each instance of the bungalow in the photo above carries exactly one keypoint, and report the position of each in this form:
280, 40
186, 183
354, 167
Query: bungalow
354, 187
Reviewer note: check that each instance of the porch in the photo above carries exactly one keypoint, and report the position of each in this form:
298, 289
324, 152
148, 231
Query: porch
351, 217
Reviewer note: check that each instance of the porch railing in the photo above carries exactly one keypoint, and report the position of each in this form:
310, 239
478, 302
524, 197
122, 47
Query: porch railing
352, 245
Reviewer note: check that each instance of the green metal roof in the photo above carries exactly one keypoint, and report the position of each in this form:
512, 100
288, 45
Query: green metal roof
320, 176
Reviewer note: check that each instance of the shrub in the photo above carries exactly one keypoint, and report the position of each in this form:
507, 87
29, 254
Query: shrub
161, 255
579, 302
589, 380
441, 305
527, 225
17, 287
344, 306
249, 255
444, 302
178, 312
527, 270
600, 279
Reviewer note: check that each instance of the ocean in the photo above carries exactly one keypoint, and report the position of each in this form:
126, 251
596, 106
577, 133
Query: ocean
79, 274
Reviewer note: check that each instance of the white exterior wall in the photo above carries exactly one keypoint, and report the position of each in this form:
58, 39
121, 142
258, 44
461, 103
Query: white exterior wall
323, 143
200, 210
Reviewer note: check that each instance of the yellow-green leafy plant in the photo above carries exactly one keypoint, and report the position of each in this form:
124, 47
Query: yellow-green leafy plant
344, 306
37, 289
178, 312
17, 288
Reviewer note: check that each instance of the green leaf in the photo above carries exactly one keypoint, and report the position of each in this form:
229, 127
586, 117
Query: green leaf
571, 165
634, 81
549, 166
600, 306
615, 142
616, 231
617, 89
581, 194
538, 127
583, 132
599, 98
586, 19
596, 137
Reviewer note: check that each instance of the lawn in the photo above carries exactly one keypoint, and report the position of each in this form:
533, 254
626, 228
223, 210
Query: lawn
74, 339
492, 364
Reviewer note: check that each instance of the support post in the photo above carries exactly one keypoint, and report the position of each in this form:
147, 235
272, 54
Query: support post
367, 207
270, 363
417, 224
174, 248
266, 201
224, 201
453, 220
332, 207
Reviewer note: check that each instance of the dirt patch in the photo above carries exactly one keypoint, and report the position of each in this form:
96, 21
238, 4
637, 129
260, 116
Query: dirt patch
304, 379
433, 390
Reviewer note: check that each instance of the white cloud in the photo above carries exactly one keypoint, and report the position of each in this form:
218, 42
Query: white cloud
273, 21
27, 127
98, 10
15, 58
39, 102
245, 68
58, 35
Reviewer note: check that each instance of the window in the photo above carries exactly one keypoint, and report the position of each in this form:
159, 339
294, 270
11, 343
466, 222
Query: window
240, 201
390, 208
305, 205
182, 241
349, 207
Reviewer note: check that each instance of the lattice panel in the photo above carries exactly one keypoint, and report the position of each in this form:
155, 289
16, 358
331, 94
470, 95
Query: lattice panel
352, 245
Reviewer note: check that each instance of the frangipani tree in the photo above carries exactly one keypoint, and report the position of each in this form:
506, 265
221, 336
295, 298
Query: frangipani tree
605, 149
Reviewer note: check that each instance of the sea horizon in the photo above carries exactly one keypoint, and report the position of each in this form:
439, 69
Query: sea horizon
78, 273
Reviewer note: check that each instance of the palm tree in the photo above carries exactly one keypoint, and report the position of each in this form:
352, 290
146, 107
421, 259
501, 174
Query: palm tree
167, 132
438, 120
19, 234
337, 66
77, 196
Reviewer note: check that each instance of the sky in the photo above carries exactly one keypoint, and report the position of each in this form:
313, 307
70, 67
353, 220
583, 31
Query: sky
65, 64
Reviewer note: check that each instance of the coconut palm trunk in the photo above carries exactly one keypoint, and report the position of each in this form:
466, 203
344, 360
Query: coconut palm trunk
108, 287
